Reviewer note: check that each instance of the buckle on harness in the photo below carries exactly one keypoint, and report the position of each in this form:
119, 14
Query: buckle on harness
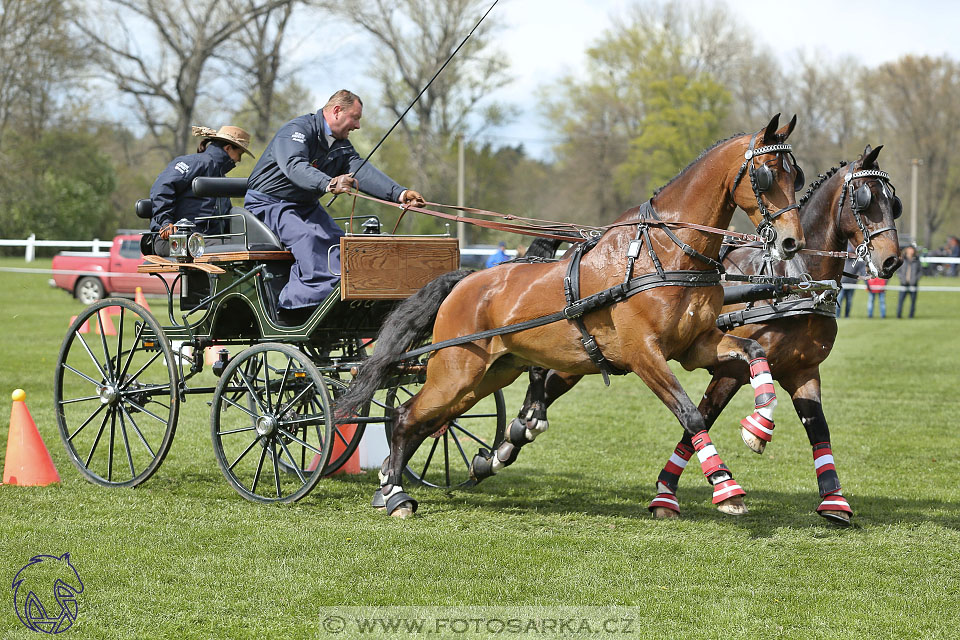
573, 310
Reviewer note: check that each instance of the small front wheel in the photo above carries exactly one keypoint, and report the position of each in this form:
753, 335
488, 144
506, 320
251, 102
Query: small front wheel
271, 423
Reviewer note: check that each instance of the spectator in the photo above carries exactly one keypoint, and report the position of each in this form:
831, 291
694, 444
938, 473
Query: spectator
499, 256
953, 247
909, 277
877, 287
848, 283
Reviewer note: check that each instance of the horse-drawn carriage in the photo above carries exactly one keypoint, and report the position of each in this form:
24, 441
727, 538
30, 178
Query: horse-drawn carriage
274, 433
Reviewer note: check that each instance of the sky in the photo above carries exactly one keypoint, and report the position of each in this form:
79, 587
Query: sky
544, 39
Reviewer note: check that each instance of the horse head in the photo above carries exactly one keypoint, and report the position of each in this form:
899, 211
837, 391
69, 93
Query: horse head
35, 580
866, 214
768, 195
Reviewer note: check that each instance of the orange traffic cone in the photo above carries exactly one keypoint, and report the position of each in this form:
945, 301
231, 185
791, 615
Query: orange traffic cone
352, 465
28, 462
84, 328
140, 300
105, 322
211, 355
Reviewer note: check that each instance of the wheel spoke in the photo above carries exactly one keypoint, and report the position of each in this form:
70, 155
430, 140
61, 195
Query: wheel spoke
266, 384
233, 431
82, 375
253, 393
470, 435
245, 452
92, 357
456, 441
113, 430
423, 474
241, 407
300, 442
256, 477
103, 424
276, 467
103, 341
126, 444
87, 421
142, 369
133, 350
145, 412
84, 399
120, 339
283, 379
446, 459
140, 435
293, 463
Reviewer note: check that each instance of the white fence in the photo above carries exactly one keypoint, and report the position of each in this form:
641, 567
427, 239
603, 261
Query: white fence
32, 243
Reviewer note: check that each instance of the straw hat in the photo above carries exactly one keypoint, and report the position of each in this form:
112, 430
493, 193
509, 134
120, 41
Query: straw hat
234, 135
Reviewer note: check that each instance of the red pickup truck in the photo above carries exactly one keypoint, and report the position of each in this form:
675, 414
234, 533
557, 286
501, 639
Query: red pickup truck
92, 275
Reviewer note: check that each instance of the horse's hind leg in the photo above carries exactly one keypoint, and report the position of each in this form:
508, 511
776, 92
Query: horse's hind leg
544, 387
661, 380
719, 392
804, 388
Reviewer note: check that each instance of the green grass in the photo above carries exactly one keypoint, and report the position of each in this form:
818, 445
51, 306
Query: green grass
184, 556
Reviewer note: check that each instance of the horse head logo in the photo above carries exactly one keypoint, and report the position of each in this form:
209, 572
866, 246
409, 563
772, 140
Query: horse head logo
33, 585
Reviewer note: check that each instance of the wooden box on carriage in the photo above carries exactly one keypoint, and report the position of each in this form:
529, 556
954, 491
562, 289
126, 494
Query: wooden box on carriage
393, 267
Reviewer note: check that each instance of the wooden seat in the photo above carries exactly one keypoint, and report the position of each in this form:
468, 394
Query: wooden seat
236, 256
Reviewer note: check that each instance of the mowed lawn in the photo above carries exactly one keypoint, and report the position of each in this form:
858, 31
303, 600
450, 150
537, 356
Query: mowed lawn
184, 556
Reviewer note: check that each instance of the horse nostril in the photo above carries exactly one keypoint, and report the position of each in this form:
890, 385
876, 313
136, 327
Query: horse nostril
891, 264
789, 246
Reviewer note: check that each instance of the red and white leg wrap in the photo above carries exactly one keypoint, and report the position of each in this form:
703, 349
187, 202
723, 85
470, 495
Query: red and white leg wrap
835, 502
665, 501
726, 489
760, 422
711, 463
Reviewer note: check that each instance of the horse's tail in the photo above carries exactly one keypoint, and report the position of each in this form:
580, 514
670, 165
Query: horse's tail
546, 247
409, 324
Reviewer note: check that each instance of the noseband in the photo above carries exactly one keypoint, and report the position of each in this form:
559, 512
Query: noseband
761, 179
861, 199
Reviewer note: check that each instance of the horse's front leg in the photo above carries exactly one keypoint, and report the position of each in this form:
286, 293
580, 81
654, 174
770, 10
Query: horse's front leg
727, 380
804, 388
661, 380
544, 387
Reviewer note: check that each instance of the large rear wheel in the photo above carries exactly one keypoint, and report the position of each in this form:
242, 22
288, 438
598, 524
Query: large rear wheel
115, 396
271, 423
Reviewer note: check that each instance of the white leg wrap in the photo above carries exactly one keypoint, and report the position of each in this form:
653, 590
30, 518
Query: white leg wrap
767, 411
396, 489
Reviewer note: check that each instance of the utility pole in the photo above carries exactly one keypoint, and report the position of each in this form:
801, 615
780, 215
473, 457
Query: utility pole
461, 226
914, 171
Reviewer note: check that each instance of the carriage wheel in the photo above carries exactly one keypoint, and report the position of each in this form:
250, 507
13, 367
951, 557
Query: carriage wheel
271, 423
443, 460
116, 397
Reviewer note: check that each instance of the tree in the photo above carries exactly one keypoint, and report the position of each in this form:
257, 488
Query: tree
166, 78
915, 103
413, 39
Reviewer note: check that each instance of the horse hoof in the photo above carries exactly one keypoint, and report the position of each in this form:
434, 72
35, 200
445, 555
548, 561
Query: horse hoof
840, 518
756, 444
733, 506
662, 513
403, 512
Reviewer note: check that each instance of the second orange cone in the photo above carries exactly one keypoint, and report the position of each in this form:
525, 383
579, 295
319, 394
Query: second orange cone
28, 462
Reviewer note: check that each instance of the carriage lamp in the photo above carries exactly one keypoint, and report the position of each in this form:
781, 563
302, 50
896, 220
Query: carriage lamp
371, 226
223, 358
196, 245
179, 240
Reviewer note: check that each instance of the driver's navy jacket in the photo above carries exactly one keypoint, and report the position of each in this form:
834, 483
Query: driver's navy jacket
172, 192
298, 164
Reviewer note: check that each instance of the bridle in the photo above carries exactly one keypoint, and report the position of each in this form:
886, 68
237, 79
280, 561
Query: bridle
861, 199
761, 179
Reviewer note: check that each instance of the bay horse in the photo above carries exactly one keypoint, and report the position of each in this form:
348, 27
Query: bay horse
673, 316
853, 203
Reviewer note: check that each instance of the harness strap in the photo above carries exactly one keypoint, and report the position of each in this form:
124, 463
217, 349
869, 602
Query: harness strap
585, 305
767, 312
571, 291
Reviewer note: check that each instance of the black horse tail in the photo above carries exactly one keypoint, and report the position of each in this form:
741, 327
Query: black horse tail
409, 324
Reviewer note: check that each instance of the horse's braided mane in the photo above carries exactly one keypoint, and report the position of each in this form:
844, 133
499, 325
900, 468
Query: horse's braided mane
823, 177
698, 159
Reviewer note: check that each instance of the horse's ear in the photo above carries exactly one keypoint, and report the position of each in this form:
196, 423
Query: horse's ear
870, 156
787, 129
769, 134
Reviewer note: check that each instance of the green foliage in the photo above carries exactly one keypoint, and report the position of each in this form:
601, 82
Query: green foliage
59, 188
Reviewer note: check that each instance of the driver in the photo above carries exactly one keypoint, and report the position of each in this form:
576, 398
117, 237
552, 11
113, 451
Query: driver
308, 157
